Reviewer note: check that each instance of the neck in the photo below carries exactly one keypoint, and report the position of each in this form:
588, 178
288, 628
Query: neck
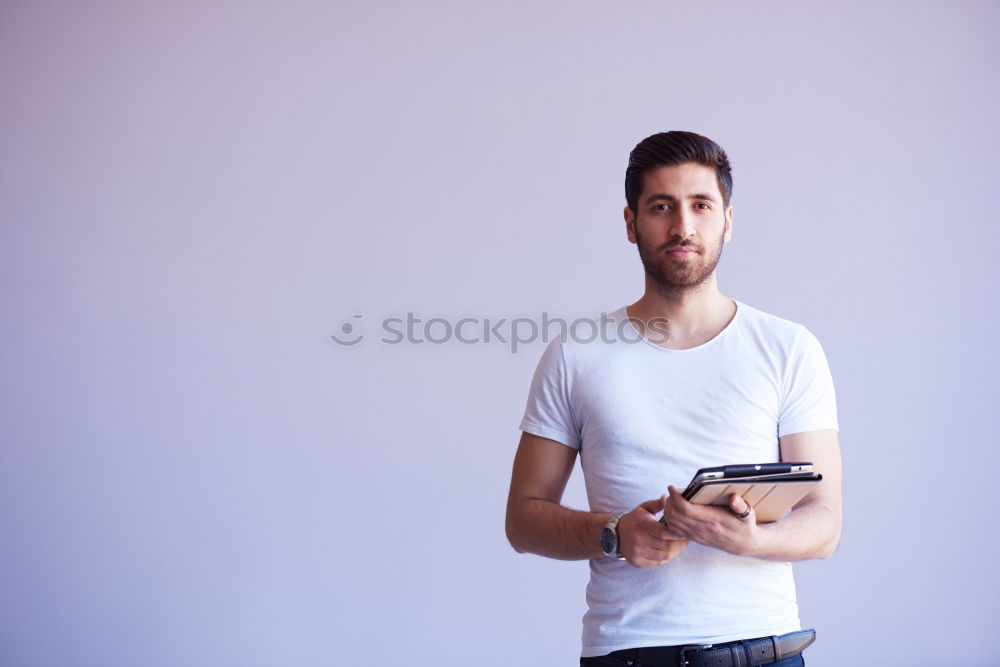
692, 313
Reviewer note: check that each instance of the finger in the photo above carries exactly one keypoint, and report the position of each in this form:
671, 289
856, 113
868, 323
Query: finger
659, 557
674, 517
648, 562
675, 534
738, 505
678, 546
672, 547
676, 502
668, 525
654, 548
639, 561
667, 511
653, 506
664, 534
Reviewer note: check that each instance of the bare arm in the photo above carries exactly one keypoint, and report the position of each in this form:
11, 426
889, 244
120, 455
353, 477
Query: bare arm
810, 530
537, 523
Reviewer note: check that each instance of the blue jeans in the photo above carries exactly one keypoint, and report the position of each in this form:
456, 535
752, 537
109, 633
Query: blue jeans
794, 661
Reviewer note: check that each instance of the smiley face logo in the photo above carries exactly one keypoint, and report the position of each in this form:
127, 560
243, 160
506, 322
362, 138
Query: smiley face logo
347, 329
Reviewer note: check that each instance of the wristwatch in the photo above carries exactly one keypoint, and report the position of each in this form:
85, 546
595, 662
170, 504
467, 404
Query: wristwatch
609, 537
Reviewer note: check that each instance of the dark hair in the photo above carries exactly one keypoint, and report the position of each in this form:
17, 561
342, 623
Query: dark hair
667, 149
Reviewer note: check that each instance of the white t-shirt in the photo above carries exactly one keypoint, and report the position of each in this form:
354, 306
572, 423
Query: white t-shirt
644, 416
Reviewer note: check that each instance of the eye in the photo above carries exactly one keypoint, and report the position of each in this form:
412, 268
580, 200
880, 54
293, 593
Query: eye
703, 206
661, 207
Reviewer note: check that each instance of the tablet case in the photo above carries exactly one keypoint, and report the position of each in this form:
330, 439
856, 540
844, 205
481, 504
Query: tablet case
770, 498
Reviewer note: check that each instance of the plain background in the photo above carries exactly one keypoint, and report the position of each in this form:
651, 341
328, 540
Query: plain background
195, 195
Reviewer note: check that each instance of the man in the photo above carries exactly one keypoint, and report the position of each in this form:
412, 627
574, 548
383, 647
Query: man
697, 379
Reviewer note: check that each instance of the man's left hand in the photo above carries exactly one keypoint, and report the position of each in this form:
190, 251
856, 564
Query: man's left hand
718, 527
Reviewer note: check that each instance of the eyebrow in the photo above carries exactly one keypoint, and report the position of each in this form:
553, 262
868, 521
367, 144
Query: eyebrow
665, 197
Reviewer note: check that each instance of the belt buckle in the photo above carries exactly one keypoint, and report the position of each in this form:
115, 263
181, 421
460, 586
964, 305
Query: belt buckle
692, 647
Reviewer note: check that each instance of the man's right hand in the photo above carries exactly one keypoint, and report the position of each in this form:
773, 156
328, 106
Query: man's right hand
644, 541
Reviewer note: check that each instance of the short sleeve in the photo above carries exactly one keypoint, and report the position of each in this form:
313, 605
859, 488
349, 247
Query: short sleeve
548, 412
809, 402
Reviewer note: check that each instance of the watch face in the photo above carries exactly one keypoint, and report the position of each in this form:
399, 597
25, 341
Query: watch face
608, 542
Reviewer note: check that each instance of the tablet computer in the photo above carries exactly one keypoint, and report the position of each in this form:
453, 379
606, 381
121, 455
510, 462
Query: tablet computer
771, 488
747, 470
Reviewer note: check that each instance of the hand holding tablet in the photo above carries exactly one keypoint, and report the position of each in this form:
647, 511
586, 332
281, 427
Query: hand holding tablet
770, 488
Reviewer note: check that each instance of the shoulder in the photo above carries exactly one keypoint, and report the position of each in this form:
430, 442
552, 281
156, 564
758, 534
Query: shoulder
787, 343
590, 341
791, 344
595, 336
774, 326
775, 333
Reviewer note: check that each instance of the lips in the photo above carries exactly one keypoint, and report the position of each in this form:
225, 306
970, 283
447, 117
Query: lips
681, 251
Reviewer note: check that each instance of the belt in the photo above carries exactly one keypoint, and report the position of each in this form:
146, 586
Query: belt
740, 653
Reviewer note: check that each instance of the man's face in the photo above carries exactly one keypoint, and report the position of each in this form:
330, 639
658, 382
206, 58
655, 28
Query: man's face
680, 225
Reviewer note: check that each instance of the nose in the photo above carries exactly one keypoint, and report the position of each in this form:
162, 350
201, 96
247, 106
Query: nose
682, 224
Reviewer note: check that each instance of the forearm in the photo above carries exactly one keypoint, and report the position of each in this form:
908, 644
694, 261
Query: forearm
810, 531
549, 529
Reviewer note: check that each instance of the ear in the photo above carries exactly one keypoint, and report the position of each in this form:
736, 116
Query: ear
630, 225
729, 225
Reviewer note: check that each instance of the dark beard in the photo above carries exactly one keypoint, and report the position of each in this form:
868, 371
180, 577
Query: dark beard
670, 275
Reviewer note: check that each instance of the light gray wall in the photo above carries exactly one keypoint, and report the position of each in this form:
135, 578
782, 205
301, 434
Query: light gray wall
195, 195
